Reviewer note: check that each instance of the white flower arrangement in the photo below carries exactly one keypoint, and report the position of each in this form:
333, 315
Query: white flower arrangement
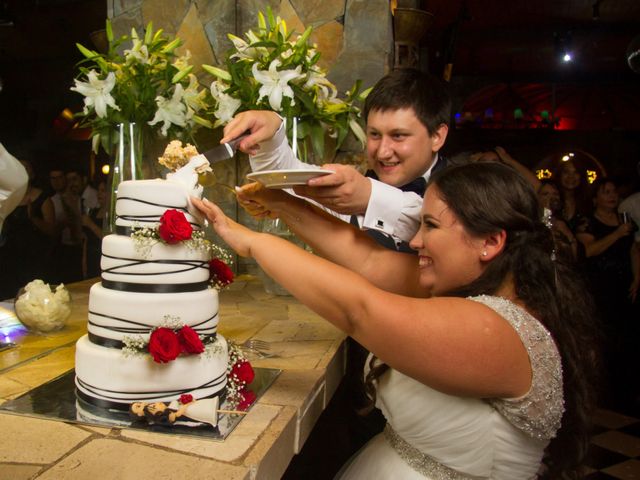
272, 70
41, 308
148, 84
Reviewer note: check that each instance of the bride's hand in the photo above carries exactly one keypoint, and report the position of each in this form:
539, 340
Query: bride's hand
260, 202
237, 236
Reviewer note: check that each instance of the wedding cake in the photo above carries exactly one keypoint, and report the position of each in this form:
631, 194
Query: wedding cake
153, 318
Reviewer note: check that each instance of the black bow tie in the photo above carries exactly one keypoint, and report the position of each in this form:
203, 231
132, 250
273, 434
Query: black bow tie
418, 185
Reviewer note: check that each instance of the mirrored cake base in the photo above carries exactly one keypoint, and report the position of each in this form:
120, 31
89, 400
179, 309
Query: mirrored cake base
57, 400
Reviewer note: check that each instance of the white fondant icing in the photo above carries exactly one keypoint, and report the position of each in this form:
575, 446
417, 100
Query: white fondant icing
107, 374
142, 202
123, 262
138, 313
104, 373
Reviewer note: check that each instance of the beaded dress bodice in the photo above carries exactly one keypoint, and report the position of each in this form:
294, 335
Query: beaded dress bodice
434, 435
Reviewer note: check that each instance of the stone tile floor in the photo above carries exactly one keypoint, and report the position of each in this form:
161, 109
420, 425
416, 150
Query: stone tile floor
615, 446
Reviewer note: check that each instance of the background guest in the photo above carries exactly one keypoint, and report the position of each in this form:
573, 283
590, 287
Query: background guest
550, 199
27, 245
575, 192
608, 247
67, 256
92, 227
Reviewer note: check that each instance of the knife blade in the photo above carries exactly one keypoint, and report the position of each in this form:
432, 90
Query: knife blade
224, 151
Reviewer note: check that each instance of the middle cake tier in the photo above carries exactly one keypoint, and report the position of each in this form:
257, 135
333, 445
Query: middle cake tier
162, 269
115, 314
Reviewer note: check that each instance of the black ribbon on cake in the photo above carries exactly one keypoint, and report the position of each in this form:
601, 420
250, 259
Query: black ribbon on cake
139, 328
151, 219
113, 399
154, 287
112, 343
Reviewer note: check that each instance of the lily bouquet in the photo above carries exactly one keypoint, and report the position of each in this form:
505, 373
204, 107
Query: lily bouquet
272, 70
147, 84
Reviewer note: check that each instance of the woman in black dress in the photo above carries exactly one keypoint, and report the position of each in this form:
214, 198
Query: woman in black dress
608, 243
26, 239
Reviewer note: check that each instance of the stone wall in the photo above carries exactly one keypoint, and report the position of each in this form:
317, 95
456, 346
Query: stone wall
354, 37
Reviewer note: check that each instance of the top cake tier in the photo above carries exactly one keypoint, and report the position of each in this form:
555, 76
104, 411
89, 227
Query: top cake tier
141, 203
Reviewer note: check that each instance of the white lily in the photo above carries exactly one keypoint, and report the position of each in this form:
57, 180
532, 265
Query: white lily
171, 111
192, 97
227, 105
182, 61
244, 50
357, 131
275, 84
138, 52
97, 93
327, 91
95, 143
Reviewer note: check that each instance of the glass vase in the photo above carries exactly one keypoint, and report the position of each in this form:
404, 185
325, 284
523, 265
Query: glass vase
278, 228
135, 157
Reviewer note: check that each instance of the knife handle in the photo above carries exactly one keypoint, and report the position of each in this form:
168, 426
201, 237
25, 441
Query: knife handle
234, 143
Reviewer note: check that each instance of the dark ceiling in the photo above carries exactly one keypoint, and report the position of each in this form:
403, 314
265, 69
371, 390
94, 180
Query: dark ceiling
517, 39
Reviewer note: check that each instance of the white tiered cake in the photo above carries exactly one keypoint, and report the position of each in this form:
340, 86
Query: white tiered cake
141, 290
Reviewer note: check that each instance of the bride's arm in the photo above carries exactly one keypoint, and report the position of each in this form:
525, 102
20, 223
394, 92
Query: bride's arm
336, 240
454, 345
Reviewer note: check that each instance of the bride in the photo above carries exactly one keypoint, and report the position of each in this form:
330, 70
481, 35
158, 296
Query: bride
481, 345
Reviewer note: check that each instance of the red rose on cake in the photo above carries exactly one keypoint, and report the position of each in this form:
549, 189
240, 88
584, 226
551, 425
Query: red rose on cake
247, 399
220, 273
243, 372
164, 345
174, 227
189, 340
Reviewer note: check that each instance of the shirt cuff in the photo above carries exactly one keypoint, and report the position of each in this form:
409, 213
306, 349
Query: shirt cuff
383, 210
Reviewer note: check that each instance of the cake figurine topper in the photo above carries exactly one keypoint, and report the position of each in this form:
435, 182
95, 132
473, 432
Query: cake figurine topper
187, 167
185, 163
185, 409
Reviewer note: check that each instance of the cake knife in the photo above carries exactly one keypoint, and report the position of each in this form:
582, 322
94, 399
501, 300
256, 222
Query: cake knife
224, 151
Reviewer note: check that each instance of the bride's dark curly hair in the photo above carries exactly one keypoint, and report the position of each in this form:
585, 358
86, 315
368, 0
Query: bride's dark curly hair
490, 197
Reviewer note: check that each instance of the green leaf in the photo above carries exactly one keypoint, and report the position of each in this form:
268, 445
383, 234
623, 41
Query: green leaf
171, 46
217, 72
364, 94
202, 121
181, 74
271, 18
109, 31
304, 37
148, 34
90, 54
157, 35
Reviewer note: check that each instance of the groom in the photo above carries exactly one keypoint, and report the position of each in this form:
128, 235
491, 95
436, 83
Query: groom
407, 114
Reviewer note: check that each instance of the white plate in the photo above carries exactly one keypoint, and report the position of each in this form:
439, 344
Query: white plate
287, 178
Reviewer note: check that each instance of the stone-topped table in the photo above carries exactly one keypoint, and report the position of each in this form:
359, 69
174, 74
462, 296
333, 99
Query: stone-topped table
309, 351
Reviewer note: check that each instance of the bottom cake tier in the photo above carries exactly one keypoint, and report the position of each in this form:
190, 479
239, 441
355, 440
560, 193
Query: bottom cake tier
108, 378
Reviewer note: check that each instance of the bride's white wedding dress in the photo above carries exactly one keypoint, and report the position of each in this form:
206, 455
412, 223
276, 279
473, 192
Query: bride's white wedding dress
433, 435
